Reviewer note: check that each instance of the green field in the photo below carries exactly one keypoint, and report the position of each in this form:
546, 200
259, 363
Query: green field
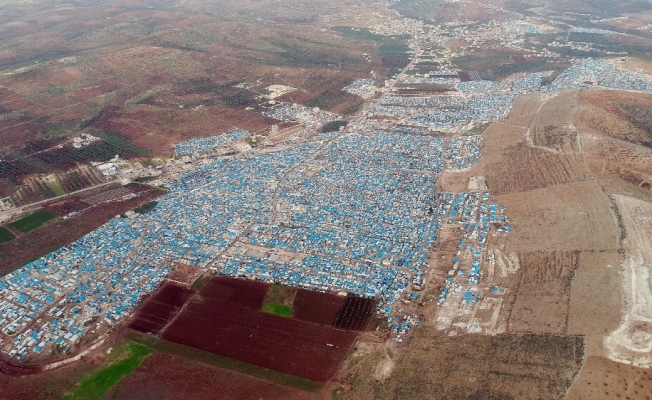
96, 385
56, 189
118, 141
393, 49
277, 309
365, 33
390, 73
145, 95
5, 235
145, 208
479, 128
333, 126
65, 89
32, 222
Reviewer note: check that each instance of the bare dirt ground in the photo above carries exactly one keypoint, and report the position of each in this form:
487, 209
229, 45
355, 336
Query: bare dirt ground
562, 217
48, 386
445, 367
591, 315
632, 341
544, 292
617, 139
606, 112
184, 273
55, 383
603, 379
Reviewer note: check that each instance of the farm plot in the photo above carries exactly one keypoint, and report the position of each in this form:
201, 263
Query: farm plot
32, 222
225, 318
524, 110
526, 168
315, 307
80, 178
109, 195
603, 379
5, 235
575, 216
596, 294
244, 293
277, 309
503, 366
157, 311
166, 376
543, 295
621, 115
68, 162
65, 207
612, 160
354, 313
35, 189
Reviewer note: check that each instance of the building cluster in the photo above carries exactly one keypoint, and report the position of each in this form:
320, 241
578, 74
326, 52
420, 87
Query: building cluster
473, 101
207, 144
476, 217
275, 91
83, 140
521, 28
362, 87
596, 72
431, 78
355, 213
463, 152
297, 113
51, 303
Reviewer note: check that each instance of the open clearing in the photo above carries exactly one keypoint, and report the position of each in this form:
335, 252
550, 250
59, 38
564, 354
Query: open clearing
604, 379
438, 366
632, 341
575, 216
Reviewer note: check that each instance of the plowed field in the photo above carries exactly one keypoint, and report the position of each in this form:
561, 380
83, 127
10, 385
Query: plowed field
225, 318
320, 308
163, 376
282, 344
157, 311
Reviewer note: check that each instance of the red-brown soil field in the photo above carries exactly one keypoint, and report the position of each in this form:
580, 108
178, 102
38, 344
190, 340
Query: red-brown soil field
159, 309
354, 313
316, 307
166, 377
240, 292
225, 318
